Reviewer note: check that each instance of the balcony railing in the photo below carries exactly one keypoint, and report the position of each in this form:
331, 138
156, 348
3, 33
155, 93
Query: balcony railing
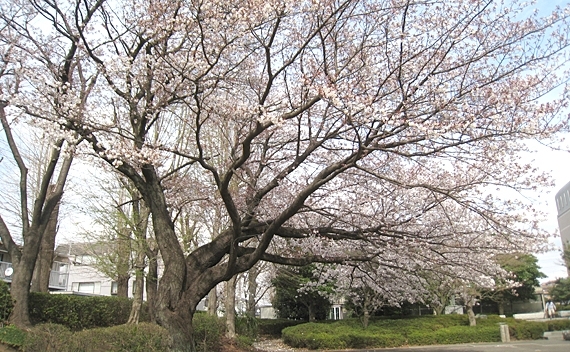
57, 279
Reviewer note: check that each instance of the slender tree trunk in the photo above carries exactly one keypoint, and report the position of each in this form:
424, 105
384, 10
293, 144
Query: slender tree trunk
231, 307
152, 285
365, 312
44, 262
501, 305
123, 285
470, 313
365, 318
312, 315
139, 288
213, 302
252, 289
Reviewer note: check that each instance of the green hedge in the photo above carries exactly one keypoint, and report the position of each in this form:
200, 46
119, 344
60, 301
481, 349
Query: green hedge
6, 303
12, 336
122, 338
208, 332
558, 325
78, 312
381, 333
455, 335
273, 327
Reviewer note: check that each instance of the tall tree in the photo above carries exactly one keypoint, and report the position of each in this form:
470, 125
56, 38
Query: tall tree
561, 291
299, 295
60, 91
361, 130
520, 282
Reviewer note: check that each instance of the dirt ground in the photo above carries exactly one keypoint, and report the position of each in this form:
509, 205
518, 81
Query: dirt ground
6, 348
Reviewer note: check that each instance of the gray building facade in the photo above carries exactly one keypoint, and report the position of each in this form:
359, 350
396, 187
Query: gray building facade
563, 206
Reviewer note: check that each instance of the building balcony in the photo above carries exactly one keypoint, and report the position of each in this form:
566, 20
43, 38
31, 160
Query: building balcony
57, 279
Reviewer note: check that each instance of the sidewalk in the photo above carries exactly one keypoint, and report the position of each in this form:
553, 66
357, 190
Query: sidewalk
553, 342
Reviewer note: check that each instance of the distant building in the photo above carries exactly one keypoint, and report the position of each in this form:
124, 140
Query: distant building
563, 206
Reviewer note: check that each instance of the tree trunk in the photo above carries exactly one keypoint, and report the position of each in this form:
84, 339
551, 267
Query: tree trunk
19, 290
137, 299
252, 290
213, 302
139, 288
179, 325
175, 304
365, 317
123, 286
152, 285
312, 315
365, 312
44, 261
231, 307
501, 305
471, 314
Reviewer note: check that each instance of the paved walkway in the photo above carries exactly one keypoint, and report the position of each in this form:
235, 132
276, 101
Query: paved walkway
554, 343
519, 346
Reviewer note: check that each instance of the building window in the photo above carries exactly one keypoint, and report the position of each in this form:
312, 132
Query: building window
114, 287
335, 313
86, 287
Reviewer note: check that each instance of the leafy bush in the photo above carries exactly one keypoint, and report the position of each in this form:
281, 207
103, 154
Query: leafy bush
144, 337
247, 325
448, 329
557, 325
121, 338
11, 335
527, 330
208, 332
273, 327
48, 338
244, 342
456, 335
78, 312
338, 335
6, 302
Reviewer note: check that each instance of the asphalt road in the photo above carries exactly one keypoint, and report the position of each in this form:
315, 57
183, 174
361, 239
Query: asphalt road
518, 346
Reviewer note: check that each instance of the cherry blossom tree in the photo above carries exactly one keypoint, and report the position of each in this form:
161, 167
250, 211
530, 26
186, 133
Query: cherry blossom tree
47, 85
373, 130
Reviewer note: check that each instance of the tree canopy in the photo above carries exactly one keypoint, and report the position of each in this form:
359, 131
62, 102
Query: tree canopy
348, 131
299, 295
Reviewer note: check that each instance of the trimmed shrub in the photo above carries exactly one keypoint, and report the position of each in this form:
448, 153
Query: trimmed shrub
78, 312
456, 335
273, 327
48, 338
122, 338
527, 330
247, 325
6, 302
11, 335
144, 337
557, 325
382, 333
208, 332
